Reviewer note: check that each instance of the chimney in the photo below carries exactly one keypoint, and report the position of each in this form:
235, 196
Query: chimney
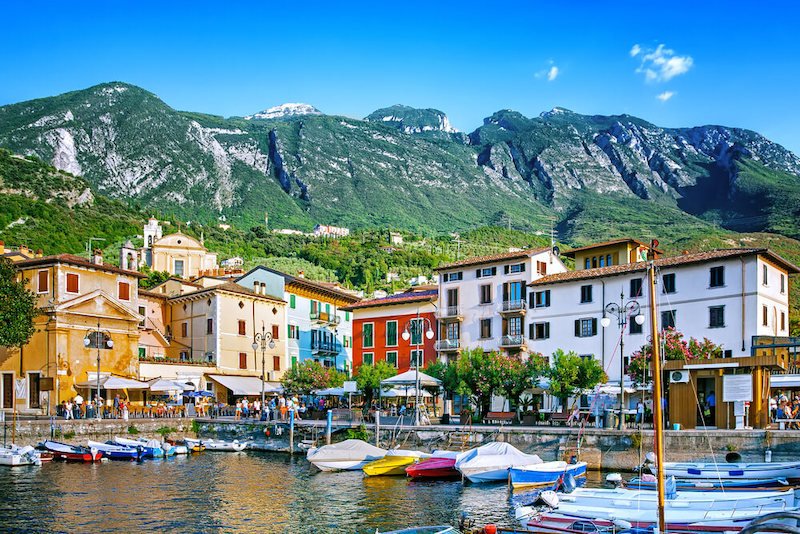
97, 258
263, 288
23, 250
685, 252
2, 247
256, 287
301, 274
39, 253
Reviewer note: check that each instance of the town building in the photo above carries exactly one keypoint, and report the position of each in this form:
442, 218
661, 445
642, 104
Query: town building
90, 310
379, 324
177, 253
317, 327
326, 230
730, 296
609, 253
484, 300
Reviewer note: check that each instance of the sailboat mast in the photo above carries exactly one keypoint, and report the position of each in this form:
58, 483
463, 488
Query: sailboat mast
658, 412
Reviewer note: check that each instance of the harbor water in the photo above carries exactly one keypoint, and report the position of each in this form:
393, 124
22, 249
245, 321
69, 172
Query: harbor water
234, 492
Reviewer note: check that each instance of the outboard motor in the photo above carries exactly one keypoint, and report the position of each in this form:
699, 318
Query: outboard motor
568, 484
547, 498
614, 480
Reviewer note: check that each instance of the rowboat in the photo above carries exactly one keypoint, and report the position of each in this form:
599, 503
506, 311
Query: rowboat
117, 452
218, 444
394, 463
152, 448
13, 456
490, 463
62, 451
710, 485
349, 455
441, 464
544, 474
733, 471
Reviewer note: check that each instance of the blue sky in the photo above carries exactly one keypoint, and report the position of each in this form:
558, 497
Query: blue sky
721, 62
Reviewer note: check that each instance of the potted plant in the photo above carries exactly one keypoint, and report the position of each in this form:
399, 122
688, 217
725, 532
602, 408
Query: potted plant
528, 415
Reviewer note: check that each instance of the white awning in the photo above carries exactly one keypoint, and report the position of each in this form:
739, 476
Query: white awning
243, 385
405, 392
330, 392
784, 381
409, 378
163, 384
113, 382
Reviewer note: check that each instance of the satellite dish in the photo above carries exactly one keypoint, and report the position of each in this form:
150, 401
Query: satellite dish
556, 251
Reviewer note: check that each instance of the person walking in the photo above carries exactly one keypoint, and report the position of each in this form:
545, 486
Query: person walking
238, 413
68, 407
256, 409
116, 406
78, 406
639, 412
273, 414
282, 407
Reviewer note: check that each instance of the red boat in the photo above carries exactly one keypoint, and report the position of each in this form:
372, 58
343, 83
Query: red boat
441, 465
69, 453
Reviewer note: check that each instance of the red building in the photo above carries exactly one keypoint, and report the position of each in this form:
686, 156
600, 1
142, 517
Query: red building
379, 325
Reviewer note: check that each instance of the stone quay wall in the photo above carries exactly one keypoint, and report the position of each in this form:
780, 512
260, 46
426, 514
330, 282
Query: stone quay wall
76, 431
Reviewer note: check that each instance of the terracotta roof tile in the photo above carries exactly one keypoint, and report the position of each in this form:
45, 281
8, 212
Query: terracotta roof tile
397, 298
685, 259
571, 252
78, 261
230, 287
493, 258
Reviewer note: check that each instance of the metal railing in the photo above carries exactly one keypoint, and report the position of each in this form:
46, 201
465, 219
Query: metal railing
448, 344
449, 311
512, 341
517, 305
325, 317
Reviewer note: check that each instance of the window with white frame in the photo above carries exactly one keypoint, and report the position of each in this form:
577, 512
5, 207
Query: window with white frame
539, 330
716, 316
369, 335
391, 358
586, 327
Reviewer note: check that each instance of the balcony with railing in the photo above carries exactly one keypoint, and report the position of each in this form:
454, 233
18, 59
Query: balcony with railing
445, 345
450, 313
513, 307
325, 347
512, 341
324, 318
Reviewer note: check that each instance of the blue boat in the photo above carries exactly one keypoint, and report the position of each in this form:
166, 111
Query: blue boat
117, 452
152, 448
544, 474
711, 485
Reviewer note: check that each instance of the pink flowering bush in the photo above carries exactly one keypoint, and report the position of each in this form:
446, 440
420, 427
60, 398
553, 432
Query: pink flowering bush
674, 347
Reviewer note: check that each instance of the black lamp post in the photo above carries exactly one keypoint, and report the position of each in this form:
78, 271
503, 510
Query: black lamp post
622, 311
416, 326
100, 339
263, 340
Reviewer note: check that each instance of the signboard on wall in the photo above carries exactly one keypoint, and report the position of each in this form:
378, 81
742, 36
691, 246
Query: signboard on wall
737, 388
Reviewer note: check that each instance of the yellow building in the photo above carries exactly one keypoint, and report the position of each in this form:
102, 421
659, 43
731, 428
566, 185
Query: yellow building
76, 296
608, 253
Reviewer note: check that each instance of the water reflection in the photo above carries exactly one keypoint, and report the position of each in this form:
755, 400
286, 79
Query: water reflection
232, 493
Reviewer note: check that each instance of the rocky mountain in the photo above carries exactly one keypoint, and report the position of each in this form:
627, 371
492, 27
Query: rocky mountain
284, 111
406, 167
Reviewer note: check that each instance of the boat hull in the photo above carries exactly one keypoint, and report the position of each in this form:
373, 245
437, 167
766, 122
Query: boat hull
769, 484
389, 465
484, 474
545, 474
730, 471
341, 465
438, 468
69, 453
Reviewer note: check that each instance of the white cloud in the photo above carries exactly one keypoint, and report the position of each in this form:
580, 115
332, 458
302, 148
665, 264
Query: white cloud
549, 74
666, 95
661, 64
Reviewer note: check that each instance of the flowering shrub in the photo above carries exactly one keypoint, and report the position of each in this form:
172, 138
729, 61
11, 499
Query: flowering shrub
307, 376
674, 347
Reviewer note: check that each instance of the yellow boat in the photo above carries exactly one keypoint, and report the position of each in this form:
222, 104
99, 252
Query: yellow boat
394, 463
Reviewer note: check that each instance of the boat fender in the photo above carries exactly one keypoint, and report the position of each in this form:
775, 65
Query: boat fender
490, 529
547, 498
622, 524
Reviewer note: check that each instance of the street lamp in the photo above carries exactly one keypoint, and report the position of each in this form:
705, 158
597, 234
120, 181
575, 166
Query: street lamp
263, 339
418, 324
100, 339
622, 311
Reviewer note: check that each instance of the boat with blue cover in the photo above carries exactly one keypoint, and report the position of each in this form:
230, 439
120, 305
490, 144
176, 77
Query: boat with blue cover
117, 452
152, 448
544, 474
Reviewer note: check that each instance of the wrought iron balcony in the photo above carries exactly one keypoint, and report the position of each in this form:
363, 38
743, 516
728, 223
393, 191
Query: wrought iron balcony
325, 318
452, 313
518, 306
444, 345
512, 341
323, 348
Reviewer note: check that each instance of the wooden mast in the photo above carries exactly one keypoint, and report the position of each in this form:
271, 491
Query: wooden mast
658, 413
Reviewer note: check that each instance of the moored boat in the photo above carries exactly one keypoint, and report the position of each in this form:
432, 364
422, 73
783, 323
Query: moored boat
394, 463
732, 471
15, 456
490, 463
441, 465
152, 448
351, 454
649, 483
70, 453
117, 452
218, 444
544, 474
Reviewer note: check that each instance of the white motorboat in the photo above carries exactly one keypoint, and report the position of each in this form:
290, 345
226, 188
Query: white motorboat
117, 452
351, 454
14, 456
218, 444
639, 507
733, 471
490, 463
152, 448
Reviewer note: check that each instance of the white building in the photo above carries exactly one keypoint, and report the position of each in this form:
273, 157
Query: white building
483, 301
326, 230
727, 296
